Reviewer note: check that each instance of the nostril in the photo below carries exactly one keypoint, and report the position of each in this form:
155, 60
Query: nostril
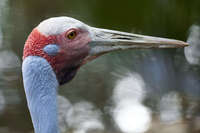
51, 49
122, 38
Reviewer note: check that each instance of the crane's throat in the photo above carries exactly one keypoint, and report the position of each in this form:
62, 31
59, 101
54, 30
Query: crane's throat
67, 74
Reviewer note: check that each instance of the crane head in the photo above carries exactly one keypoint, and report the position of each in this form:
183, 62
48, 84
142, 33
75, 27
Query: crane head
67, 44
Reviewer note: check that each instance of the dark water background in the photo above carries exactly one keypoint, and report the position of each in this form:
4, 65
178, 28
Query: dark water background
152, 91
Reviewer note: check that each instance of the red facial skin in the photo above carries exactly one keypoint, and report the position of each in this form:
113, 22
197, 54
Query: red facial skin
70, 56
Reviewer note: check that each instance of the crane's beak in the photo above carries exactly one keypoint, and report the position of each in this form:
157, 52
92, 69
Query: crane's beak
105, 41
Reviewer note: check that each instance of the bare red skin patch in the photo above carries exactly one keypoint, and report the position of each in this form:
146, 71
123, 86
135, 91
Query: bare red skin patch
35, 44
69, 57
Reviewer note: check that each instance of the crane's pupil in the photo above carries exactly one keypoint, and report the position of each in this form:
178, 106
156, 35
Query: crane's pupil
71, 34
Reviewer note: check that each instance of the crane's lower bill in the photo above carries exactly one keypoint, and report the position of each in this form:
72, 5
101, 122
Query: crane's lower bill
105, 41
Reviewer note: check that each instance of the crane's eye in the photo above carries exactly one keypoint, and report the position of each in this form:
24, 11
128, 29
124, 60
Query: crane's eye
71, 34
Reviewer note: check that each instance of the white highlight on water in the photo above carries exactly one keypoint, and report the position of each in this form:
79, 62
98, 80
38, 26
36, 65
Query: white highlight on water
170, 108
2, 101
192, 53
129, 114
80, 117
8, 59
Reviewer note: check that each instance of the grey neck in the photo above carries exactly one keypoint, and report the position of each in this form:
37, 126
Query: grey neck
40, 85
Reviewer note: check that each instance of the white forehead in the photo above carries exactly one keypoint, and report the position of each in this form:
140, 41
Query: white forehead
59, 25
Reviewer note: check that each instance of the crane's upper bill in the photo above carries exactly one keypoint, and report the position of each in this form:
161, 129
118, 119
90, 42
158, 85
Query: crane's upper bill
104, 41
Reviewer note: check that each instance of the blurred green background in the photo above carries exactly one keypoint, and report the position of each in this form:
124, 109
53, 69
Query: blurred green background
171, 83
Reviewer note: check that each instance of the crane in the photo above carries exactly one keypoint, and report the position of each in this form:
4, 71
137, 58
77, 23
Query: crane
56, 49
